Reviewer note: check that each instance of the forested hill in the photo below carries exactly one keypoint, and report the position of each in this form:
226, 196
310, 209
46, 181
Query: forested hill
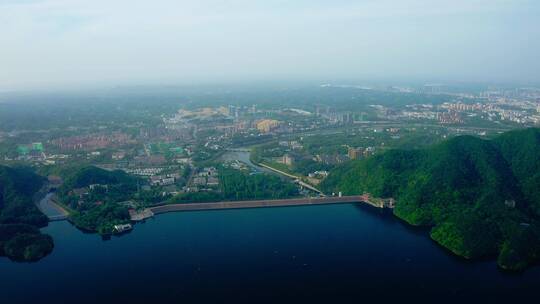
99, 210
521, 150
20, 219
89, 175
482, 197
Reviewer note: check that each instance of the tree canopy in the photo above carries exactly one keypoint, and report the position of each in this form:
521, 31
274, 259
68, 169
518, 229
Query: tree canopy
482, 197
20, 238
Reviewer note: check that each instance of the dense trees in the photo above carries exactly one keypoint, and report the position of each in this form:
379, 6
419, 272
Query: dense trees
237, 185
100, 219
28, 246
521, 149
99, 210
480, 196
89, 175
17, 186
20, 238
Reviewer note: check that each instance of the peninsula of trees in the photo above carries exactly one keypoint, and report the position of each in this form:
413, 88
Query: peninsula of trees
481, 197
93, 195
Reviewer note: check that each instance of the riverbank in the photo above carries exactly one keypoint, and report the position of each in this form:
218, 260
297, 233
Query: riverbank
49, 206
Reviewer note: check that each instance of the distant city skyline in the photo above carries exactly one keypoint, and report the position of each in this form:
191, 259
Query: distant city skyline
75, 43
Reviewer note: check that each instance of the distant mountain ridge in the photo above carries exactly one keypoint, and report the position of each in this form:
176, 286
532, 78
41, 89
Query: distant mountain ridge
482, 197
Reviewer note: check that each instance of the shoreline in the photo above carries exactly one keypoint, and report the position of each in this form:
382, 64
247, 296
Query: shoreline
49, 201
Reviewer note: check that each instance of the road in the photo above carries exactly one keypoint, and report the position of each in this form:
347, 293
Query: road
296, 178
243, 155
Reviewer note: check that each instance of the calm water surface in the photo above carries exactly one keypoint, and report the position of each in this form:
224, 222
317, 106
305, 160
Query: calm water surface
333, 253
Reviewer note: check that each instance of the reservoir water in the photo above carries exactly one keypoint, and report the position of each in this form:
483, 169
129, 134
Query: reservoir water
328, 253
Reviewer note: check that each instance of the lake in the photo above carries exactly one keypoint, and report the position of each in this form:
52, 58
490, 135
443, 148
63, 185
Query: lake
327, 253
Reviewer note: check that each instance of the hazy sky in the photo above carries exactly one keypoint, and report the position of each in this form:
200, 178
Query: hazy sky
110, 42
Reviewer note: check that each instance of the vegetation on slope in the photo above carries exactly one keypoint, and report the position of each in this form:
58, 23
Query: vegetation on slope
101, 218
97, 210
520, 148
236, 185
90, 175
481, 197
20, 238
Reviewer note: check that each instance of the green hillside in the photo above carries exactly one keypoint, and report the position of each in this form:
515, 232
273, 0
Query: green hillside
20, 238
521, 149
481, 197
98, 211
89, 175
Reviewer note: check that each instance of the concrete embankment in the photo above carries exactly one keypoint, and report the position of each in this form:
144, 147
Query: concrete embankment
51, 208
256, 204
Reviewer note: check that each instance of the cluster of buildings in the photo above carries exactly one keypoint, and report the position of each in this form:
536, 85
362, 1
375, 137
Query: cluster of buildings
358, 153
450, 117
334, 117
287, 160
164, 180
525, 93
144, 171
412, 112
293, 144
207, 177
318, 174
33, 151
522, 109
459, 106
93, 141
236, 164
267, 125
501, 109
81, 194
118, 155
167, 132
149, 160
330, 159
239, 111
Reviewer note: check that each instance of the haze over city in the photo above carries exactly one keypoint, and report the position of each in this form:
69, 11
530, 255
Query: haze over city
250, 151
72, 43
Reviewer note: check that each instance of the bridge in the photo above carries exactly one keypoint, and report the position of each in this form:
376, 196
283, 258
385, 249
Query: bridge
378, 203
239, 150
56, 218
